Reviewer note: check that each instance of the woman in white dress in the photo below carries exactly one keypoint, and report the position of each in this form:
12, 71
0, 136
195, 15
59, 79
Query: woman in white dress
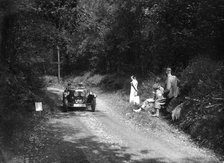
134, 98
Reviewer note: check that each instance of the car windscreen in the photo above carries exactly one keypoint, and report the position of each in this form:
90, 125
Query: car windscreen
79, 92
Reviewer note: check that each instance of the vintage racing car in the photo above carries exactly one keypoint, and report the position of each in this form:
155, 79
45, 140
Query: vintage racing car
78, 97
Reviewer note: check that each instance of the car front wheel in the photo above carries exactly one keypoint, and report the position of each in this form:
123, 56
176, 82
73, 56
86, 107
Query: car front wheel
93, 105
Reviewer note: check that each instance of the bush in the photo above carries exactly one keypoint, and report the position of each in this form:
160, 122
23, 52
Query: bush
18, 92
203, 117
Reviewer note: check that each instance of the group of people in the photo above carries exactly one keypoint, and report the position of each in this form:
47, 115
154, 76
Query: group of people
161, 96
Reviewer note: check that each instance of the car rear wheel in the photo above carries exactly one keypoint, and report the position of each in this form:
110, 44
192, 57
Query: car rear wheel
93, 105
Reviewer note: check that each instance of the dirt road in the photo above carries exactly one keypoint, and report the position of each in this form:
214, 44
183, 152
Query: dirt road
105, 136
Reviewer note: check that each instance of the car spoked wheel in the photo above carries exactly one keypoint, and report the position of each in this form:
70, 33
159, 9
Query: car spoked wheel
93, 105
65, 106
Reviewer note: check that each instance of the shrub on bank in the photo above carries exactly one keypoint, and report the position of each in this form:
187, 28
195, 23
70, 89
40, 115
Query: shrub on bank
18, 92
203, 118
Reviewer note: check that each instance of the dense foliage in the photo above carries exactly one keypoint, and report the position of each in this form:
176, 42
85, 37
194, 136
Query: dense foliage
130, 36
145, 36
19, 77
203, 117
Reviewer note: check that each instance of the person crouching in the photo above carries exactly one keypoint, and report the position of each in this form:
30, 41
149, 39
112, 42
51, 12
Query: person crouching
158, 91
156, 102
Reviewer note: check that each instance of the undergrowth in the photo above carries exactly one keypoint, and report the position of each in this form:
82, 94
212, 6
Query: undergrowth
203, 118
18, 119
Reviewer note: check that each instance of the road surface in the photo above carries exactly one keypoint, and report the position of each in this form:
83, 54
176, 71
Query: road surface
105, 136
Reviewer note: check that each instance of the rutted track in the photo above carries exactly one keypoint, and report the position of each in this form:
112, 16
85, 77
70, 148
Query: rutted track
104, 136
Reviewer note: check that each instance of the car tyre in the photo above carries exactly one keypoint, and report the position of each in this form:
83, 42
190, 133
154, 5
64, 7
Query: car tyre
65, 106
93, 105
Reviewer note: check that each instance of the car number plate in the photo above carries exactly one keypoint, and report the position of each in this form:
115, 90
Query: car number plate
79, 105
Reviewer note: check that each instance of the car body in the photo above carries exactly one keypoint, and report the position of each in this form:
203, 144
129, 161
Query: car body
78, 97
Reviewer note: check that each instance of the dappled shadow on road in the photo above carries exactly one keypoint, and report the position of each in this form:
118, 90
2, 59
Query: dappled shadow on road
61, 143
78, 113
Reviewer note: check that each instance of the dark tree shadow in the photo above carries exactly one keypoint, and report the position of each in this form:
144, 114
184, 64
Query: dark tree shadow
62, 143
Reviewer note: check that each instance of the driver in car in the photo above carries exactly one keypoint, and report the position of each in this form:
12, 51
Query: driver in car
81, 86
68, 87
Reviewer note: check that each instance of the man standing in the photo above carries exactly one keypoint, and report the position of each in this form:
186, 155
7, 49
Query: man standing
171, 88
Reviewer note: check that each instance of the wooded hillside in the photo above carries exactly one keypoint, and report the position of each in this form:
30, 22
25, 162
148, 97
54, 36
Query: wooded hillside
111, 36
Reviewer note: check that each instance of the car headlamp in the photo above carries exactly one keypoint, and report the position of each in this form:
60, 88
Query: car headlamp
66, 94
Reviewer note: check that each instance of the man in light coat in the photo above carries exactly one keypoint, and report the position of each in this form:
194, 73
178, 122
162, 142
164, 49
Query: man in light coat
171, 88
